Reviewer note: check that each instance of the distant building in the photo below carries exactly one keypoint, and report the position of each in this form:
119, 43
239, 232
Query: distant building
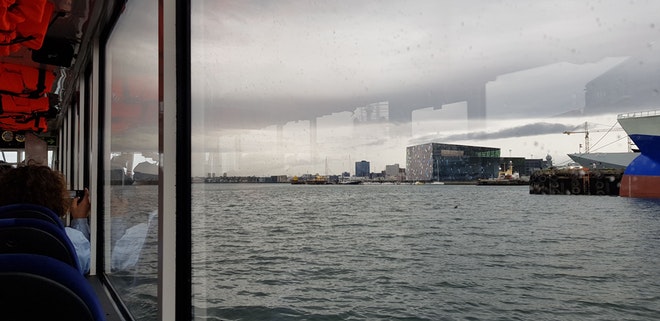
279, 179
372, 113
362, 169
447, 162
377, 176
393, 172
548, 161
533, 165
629, 86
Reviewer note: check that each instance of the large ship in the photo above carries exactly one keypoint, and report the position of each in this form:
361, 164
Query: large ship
145, 173
642, 176
604, 160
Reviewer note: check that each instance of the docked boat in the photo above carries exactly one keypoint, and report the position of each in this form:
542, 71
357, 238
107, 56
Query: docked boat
318, 180
604, 160
505, 177
642, 176
145, 173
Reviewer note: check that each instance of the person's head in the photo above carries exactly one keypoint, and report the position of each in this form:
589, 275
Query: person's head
4, 167
35, 184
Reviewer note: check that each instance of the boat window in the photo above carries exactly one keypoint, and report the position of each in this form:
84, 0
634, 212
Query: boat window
10, 157
287, 94
131, 159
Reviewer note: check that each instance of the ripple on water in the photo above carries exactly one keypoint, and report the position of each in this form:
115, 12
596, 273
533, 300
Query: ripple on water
425, 253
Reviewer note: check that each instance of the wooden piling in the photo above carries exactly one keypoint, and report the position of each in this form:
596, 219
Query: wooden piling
576, 181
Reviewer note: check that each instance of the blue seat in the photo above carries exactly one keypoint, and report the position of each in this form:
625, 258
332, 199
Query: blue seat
37, 287
30, 211
36, 236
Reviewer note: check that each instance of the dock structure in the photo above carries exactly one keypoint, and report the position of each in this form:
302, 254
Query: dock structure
576, 181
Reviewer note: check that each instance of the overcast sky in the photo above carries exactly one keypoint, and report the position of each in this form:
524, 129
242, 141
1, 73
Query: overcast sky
263, 64
283, 50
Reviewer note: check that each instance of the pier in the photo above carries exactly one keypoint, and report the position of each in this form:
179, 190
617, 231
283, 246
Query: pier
576, 181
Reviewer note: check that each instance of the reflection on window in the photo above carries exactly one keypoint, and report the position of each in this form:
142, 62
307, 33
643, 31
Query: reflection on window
291, 91
131, 175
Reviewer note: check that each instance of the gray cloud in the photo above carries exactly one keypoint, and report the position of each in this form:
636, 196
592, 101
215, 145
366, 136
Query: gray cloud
285, 61
534, 129
265, 63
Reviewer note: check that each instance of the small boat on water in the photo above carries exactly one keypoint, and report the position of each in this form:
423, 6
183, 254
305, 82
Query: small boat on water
317, 180
507, 177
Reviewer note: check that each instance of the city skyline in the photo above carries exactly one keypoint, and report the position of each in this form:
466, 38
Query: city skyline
276, 85
511, 75
244, 153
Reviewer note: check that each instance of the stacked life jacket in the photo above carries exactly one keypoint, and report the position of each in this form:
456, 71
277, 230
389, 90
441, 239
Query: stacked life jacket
23, 23
24, 102
23, 90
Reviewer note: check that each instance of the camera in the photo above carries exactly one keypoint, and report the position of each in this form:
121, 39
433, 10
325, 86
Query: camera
77, 193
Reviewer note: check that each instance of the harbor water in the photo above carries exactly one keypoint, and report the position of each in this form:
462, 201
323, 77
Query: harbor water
421, 252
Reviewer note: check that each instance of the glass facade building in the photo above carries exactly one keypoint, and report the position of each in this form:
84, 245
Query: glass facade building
362, 169
447, 162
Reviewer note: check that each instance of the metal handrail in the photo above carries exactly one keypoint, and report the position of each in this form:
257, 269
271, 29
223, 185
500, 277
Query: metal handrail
639, 114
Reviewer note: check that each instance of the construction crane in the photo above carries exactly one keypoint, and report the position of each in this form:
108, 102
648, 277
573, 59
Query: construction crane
586, 134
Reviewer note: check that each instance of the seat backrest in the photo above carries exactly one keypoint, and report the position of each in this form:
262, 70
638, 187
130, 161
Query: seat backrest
37, 287
25, 210
35, 236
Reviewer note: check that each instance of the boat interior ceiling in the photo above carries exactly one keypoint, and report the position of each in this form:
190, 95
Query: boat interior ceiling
43, 46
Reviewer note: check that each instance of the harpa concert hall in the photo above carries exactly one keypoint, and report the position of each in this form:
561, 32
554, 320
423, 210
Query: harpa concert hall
447, 162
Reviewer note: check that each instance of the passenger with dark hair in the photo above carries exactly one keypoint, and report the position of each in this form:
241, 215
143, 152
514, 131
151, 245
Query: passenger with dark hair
4, 166
40, 185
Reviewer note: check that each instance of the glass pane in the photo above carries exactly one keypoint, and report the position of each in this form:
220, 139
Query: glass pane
392, 110
10, 157
131, 175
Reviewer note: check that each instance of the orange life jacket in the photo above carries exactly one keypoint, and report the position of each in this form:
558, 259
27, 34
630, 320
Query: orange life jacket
24, 114
24, 81
23, 23
35, 123
19, 105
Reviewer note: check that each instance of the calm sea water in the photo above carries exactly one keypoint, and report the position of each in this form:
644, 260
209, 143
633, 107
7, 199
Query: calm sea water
430, 252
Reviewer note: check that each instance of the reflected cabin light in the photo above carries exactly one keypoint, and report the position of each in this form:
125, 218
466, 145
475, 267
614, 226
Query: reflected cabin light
7, 136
